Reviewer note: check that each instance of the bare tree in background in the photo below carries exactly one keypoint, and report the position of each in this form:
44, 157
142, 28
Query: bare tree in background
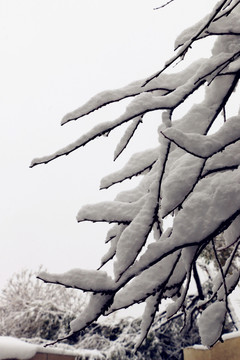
192, 176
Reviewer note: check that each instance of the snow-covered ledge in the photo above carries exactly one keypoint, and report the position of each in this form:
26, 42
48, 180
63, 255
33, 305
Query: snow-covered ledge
11, 348
229, 349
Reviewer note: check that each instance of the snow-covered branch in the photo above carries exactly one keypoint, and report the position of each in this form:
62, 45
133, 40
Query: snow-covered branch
192, 176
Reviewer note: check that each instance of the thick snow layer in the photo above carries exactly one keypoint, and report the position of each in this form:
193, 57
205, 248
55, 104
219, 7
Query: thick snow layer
231, 281
226, 24
88, 280
228, 158
141, 189
146, 102
110, 211
228, 336
127, 136
141, 104
179, 182
187, 34
63, 349
135, 235
211, 323
233, 232
205, 146
11, 348
111, 252
173, 307
231, 335
113, 236
200, 116
152, 278
160, 84
198, 218
188, 255
136, 165
148, 316
97, 305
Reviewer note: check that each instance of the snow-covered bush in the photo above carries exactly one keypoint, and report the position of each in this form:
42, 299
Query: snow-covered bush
29, 309
193, 175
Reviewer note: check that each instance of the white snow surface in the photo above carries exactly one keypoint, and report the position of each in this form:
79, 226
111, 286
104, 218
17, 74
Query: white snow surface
179, 181
152, 279
198, 217
127, 136
211, 323
148, 317
134, 236
110, 211
136, 165
173, 307
11, 348
233, 232
227, 158
97, 305
88, 280
164, 81
140, 105
228, 336
230, 23
231, 281
206, 146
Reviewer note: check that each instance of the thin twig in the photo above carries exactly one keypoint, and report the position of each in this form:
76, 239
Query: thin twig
227, 12
224, 114
198, 282
160, 7
222, 273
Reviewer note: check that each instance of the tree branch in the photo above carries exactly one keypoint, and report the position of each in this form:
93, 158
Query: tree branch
198, 282
162, 6
189, 43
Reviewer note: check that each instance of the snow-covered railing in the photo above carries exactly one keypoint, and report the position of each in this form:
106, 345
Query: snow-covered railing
11, 348
228, 349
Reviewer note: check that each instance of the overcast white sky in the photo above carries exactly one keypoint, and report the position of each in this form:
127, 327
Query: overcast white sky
55, 54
